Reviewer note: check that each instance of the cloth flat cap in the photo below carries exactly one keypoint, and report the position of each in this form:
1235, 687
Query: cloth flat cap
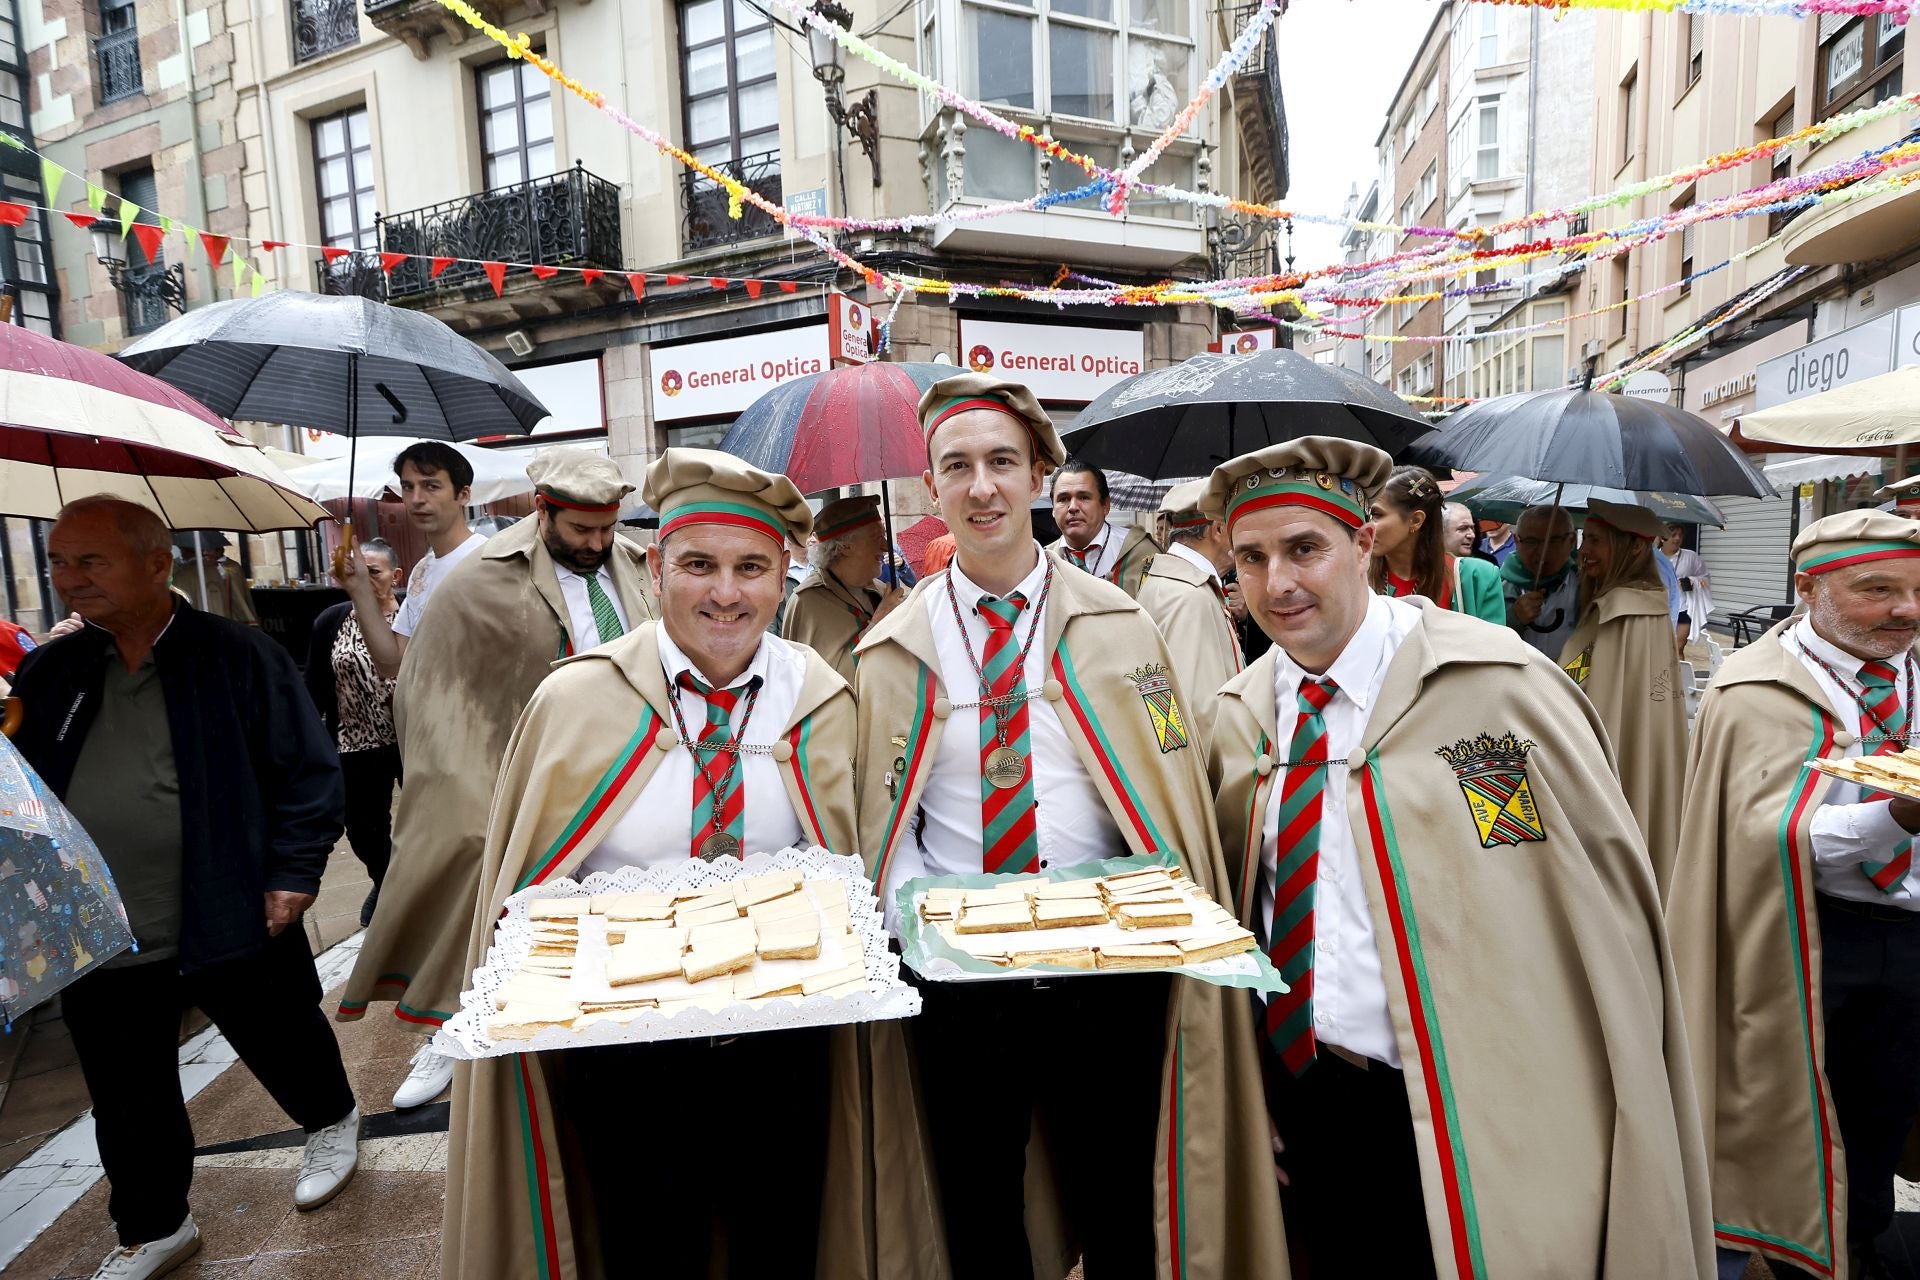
845, 515
1181, 506
1626, 517
1337, 477
705, 486
1854, 537
968, 391
578, 480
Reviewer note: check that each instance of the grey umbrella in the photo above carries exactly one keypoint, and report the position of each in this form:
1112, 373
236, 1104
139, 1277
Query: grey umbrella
1187, 419
1503, 498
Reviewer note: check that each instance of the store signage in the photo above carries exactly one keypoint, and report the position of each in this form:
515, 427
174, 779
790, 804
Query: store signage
849, 329
714, 379
1056, 362
1907, 348
1726, 389
1852, 355
1648, 384
1240, 342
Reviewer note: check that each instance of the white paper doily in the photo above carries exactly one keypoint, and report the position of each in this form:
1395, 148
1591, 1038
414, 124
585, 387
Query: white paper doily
464, 1034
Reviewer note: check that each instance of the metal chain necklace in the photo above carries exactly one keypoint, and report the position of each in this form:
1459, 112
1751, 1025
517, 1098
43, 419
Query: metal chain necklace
1859, 696
1003, 761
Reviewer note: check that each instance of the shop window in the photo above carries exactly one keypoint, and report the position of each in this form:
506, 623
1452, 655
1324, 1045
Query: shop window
1629, 116
1120, 62
1780, 166
116, 54
516, 124
1695, 31
1486, 147
1860, 61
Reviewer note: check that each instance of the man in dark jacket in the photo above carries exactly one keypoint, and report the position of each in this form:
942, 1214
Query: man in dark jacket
186, 746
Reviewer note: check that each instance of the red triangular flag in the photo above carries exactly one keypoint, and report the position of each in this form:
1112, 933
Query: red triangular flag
80, 220
718, 282
788, 286
11, 214
639, 283
496, 272
334, 254
388, 261
544, 273
216, 247
754, 287
439, 265
149, 237
676, 279
590, 274
271, 245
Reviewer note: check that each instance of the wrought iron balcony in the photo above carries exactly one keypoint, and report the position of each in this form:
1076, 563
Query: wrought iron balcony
1262, 113
148, 294
321, 26
571, 219
415, 22
707, 225
116, 60
357, 274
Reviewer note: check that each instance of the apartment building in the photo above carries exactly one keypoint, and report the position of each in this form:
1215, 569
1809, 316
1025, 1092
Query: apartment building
1412, 149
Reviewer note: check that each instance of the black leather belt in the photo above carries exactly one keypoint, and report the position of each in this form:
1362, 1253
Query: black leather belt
1871, 910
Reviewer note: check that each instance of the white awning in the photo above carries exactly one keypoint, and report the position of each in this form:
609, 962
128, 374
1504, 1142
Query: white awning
1820, 466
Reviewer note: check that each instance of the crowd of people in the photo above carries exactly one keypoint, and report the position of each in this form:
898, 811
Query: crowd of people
1571, 989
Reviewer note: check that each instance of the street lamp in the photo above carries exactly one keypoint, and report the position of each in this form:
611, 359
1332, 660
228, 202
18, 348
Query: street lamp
105, 247
861, 118
140, 288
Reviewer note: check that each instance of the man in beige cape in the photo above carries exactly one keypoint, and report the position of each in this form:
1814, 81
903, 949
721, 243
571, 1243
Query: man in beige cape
1182, 594
496, 625
1148, 1091
1480, 1069
1621, 655
627, 1159
843, 596
1792, 912
1088, 539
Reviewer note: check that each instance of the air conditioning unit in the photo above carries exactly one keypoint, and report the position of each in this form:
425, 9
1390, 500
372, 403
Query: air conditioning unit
1593, 347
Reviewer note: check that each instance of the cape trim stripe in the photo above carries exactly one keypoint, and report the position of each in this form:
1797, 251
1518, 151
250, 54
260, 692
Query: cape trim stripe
1256, 836
802, 734
598, 799
353, 1010
1076, 700
916, 754
545, 1247
1772, 1245
1456, 1182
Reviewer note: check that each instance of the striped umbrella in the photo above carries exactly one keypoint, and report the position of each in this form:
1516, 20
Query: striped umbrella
847, 426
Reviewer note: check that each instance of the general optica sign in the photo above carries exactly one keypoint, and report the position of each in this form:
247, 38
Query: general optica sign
724, 376
1056, 362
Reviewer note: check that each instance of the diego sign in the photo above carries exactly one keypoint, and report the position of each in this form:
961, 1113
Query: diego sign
1056, 362
714, 379
1852, 355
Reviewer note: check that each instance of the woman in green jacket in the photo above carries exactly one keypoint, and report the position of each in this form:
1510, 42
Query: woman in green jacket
1410, 556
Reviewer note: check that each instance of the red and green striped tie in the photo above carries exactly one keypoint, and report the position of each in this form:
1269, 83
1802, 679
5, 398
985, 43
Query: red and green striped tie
714, 766
1079, 558
1296, 870
1009, 834
1883, 723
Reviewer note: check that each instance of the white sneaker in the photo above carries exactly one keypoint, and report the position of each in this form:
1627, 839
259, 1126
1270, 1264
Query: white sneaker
431, 1074
154, 1258
332, 1154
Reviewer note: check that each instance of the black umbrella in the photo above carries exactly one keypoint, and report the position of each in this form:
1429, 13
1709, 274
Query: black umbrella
1187, 419
1572, 436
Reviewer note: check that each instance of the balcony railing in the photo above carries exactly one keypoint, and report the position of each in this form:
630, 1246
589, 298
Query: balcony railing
321, 26
571, 219
148, 294
116, 60
707, 225
357, 274
1262, 110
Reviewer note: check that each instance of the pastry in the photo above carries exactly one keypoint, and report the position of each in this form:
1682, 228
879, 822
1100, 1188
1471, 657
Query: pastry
530, 987
1086, 888
718, 955
764, 888
1151, 915
643, 960
755, 986
1149, 955
1067, 913
1201, 950
557, 908
633, 906
706, 915
790, 940
995, 917
852, 971
524, 1019
1064, 957
792, 907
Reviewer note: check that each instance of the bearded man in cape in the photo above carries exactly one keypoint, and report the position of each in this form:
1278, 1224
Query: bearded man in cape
1480, 1068
1795, 915
1183, 595
549, 586
1018, 714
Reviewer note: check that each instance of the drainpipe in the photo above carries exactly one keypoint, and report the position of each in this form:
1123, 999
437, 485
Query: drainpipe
1533, 119
1637, 268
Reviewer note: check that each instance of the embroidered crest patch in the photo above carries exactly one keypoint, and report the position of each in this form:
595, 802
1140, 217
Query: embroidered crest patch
1156, 690
1581, 665
1493, 777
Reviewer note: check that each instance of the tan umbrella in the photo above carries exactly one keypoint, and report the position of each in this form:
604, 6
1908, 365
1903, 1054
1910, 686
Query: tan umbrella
1872, 414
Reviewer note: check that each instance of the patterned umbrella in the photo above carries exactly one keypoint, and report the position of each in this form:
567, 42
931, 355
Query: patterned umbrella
846, 426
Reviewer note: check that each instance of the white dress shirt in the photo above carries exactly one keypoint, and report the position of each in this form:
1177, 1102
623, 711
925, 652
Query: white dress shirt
425, 577
1187, 553
1073, 824
1349, 995
650, 831
1105, 549
573, 589
1848, 829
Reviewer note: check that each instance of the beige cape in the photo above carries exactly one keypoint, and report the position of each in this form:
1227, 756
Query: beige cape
1746, 943
1137, 551
591, 739
1621, 654
494, 628
1534, 1003
1216, 1208
824, 616
1186, 603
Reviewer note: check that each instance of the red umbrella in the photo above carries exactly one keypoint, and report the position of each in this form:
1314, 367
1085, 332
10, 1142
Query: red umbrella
914, 538
846, 426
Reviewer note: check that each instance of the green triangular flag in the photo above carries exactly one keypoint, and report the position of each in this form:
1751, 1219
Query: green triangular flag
192, 236
259, 284
166, 224
96, 198
13, 142
239, 272
129, 212
50, 175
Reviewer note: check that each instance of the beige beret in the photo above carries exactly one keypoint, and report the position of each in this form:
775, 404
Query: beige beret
1338, 477
1854, 537
965, 391
577, 479
705, 486
1626, 517
845, 515
1181, 506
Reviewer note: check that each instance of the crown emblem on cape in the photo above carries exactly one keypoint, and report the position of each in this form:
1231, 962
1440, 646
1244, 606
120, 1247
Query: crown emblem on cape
1486, 752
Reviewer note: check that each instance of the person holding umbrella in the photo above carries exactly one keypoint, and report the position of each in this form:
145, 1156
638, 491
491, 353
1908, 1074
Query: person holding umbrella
1410, 556
1542, 589
1424, 828
1183, 595
833, 608
1090, 541
1621, 655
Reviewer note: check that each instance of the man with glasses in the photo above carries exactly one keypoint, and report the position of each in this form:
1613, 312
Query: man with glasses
1543, 591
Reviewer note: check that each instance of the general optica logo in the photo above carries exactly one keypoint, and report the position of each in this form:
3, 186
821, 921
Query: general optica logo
1245, 344
670, 382
980, 359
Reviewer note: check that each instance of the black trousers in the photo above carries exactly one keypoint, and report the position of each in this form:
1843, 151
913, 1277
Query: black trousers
1353, 1206
1870, 981
125, 1025
1084, 1055
370, 778
702, 1141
